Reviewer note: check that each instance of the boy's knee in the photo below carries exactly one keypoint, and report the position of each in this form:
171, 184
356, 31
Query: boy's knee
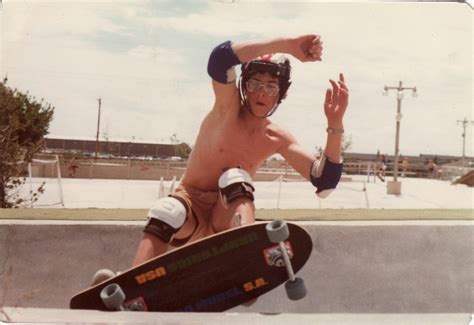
238, 213
235, 187
166, 218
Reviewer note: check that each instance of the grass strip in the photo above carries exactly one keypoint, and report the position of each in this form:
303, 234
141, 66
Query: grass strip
261, 214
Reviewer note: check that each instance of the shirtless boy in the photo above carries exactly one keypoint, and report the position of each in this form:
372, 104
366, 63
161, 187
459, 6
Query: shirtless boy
236, 136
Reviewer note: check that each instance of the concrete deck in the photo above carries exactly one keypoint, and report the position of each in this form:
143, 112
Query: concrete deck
35, 315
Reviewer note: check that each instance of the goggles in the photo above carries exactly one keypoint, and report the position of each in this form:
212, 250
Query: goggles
271, 89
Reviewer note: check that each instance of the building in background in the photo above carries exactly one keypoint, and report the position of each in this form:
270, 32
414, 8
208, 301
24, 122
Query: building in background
117, 149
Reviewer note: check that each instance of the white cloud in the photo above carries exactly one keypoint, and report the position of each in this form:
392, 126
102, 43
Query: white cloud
57, 20
231, 20
156, 53
151, 91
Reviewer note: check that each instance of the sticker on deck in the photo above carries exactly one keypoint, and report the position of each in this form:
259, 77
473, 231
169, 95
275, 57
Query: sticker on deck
273, 255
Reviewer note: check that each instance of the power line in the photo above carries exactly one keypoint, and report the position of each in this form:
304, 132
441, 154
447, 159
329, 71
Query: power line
98, 127
464, 123
399, 90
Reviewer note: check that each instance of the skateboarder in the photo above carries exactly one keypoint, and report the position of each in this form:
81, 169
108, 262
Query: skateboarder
236, 136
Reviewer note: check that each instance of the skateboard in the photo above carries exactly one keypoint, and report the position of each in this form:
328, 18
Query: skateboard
213, 274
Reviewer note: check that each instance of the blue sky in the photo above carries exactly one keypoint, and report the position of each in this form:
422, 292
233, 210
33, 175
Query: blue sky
147, 62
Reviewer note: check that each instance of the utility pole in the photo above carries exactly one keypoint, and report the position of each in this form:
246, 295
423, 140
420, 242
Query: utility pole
395, 186
98, 128
464, 126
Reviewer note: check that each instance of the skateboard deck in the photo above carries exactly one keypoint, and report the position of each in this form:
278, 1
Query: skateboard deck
209, 275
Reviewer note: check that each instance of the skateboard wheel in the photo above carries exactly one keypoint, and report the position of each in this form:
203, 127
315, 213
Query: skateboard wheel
295, 290
277, 231
101, 276
112, 296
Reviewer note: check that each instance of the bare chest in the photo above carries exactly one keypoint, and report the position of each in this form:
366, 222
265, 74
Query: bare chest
228, 145
245, 146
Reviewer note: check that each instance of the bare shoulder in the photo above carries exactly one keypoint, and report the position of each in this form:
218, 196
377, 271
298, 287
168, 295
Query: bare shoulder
281, 135
299, 158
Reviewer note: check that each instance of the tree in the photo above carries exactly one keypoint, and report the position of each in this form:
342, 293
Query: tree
183, 150
346, 144
23, 124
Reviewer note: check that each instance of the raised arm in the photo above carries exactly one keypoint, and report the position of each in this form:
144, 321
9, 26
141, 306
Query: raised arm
335, 105
306, 48
225, 56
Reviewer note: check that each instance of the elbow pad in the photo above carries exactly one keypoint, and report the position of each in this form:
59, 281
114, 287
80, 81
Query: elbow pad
325, 176
221, 63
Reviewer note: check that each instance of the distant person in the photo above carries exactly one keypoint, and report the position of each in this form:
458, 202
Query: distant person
73, 167
432, 169
381, 168
404, 166
236, 136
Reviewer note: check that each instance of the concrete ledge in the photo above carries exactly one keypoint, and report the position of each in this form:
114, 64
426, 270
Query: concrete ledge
356, 267
30, 315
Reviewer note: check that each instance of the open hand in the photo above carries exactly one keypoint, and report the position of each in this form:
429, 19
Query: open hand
336, 101
307, 48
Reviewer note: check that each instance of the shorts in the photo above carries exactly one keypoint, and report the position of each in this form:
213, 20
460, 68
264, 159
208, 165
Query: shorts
198, 220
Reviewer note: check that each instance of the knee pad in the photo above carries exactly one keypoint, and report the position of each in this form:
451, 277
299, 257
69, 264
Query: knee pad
325, 176
235, 183
166, 217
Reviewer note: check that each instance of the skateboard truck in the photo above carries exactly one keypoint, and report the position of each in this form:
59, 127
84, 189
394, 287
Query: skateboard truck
277, 232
